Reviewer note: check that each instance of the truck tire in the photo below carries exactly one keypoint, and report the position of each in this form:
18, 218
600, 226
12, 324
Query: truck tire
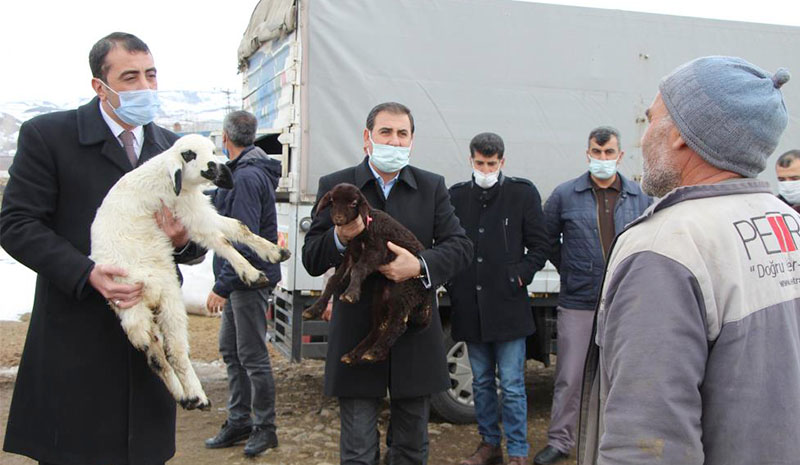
455, 405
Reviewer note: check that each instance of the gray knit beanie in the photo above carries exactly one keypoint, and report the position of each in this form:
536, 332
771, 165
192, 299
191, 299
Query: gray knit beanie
729, 111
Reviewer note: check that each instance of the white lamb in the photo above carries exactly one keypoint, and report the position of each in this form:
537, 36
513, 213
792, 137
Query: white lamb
125, 234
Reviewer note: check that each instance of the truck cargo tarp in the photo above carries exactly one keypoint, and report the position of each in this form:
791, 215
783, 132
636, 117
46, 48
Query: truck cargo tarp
270, 19
542, 76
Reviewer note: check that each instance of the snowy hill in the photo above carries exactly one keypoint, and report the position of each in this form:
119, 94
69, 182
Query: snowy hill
181, 110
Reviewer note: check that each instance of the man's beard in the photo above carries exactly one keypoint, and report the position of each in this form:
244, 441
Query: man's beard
660, 175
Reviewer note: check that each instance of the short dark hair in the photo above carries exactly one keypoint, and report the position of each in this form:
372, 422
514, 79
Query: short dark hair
391, 107
602, 135
488, 144
787, 158
240, 126
97, 56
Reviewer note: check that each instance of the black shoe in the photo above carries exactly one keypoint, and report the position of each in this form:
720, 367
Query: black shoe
548, 456
228, 435
260, 440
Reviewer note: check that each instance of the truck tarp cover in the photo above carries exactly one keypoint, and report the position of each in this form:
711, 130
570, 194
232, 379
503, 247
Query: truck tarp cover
270, 19
542, 76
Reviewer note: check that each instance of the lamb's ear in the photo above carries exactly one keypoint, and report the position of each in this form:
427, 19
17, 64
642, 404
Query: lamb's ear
324, 202
175, 173
363, 207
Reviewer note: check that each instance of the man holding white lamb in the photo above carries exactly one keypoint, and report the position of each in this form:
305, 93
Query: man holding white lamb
242, 335
84, 394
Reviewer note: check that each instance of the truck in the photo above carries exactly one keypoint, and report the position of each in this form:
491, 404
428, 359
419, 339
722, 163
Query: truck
540, 75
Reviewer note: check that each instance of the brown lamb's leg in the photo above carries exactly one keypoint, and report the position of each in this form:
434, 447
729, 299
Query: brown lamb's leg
358, 273
420, 315
401, 300
381, 295
315, 310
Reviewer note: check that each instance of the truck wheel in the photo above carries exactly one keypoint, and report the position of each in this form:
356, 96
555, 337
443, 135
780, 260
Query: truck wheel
455, 405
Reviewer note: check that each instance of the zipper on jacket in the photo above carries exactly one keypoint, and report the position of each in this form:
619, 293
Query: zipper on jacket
505, 234
597, 218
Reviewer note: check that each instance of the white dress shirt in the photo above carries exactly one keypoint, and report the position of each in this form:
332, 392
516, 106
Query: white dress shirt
116, 129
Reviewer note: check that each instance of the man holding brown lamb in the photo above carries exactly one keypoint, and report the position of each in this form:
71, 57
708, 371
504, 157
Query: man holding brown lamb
416, 367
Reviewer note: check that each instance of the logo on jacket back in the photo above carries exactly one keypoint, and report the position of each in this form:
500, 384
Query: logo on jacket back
774, 233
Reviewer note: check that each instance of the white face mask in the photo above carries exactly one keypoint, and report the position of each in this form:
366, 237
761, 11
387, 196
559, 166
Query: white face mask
388, 158
603, 169
790, 190
485, 180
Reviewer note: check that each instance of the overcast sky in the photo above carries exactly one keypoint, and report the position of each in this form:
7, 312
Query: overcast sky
44, 45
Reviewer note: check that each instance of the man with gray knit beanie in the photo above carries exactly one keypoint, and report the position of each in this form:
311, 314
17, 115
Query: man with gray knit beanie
695, 355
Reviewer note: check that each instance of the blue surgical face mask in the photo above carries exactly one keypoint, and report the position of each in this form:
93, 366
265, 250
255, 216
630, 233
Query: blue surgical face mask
603, 169
388, 158
136, 107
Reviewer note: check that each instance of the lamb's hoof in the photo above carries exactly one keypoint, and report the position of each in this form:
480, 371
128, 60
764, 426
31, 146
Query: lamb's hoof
311, 313
371, 357
350, 298
260, 280
205, 406
347, 359
189, 403
277, 255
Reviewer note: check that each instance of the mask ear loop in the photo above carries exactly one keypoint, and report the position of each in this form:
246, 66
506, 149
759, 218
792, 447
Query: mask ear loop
112, 90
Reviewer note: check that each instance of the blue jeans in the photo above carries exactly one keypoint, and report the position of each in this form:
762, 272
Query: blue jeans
508, 360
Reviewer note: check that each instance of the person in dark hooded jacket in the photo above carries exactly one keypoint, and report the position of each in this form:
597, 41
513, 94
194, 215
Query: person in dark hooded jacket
242, 336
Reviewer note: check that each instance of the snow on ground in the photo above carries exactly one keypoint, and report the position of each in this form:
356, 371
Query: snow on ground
197, 283
18, 284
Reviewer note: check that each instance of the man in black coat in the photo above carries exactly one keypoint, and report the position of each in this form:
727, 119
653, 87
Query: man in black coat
417, 366
83, 394
490, 306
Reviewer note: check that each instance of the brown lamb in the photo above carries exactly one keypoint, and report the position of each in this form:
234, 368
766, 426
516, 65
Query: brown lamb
394, 304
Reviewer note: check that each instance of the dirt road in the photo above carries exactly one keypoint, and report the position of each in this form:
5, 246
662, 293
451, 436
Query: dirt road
308, 423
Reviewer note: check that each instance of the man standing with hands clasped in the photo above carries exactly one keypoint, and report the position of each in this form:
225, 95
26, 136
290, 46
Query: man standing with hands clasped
491, 310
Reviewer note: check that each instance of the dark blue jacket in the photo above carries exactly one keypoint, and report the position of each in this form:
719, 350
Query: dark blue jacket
251, 201
571, 215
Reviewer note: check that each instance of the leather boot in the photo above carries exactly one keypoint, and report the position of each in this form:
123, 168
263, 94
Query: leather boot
485, 454
228, 435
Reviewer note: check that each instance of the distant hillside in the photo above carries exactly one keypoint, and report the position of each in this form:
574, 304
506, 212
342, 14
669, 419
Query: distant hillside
184, 111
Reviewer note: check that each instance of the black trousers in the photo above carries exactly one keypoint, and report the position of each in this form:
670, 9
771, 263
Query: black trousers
408, 431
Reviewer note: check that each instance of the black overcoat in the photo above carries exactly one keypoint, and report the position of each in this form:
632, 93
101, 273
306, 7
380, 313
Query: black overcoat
83, 394
417, 364
507, 227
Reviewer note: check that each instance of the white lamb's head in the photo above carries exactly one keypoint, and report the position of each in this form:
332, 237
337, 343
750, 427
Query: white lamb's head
192, 162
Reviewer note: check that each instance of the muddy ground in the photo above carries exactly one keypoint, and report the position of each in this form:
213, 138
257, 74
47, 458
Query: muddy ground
308, 423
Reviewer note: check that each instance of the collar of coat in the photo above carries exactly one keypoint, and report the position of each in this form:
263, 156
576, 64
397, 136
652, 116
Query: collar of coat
93, 130
364, 175
584, 182
681, 194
